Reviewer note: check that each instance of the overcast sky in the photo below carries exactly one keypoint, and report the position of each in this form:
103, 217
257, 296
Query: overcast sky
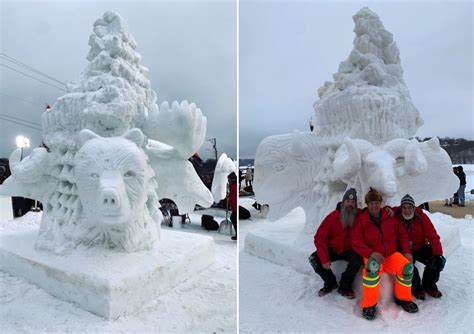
189, 48
288, 49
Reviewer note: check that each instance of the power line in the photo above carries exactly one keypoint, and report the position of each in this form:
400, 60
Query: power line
221, 143
230, 146
47, 83
19, 98
9, 120
13, 60
19, 119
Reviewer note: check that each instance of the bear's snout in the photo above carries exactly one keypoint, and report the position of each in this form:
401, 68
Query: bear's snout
109, 199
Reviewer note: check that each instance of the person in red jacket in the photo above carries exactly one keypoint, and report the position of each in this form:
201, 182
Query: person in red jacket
232, 203
376, 236
333, 244
425, 245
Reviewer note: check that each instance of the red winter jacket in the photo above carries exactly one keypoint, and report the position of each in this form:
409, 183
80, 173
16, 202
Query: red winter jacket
367, 237
232, 203
420, 231
332, 236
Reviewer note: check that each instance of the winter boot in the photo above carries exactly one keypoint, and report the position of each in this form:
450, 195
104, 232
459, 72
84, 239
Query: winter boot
407, 305
348, 293
369, 312
327, 289
434, 293
420, 294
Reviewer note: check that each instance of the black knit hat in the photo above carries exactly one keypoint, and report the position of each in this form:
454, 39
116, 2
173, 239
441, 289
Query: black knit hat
372, 196
350, 194
407, 199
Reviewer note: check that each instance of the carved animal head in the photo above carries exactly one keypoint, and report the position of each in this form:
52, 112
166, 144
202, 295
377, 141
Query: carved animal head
361, 165
112, 177
284, 168
421, 186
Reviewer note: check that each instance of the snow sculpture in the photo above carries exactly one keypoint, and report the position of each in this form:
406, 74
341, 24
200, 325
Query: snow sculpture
368, 101
113, 183
224, 167
368, 98
112, 153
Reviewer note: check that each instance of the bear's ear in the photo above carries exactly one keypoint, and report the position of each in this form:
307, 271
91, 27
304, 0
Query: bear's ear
86, 135
135, 135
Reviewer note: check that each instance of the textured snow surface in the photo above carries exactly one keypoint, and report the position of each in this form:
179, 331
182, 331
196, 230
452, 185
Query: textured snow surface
291, 302
363, 122
114, 100
204, 303
368, 98
104, 282
224, 167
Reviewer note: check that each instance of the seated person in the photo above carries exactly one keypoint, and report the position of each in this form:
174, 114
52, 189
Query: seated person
425, 246
332, 241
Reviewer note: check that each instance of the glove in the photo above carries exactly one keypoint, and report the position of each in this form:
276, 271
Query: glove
372, 267
437, 262
377, 257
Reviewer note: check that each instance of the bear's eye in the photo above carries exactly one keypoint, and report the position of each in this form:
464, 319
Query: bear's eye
129, 174
94, 176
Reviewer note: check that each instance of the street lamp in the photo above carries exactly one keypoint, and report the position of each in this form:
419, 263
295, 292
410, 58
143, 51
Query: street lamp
21, 143
24, 142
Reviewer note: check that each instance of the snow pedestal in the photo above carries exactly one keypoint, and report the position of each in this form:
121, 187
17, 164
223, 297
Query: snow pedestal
282, 242
107, 283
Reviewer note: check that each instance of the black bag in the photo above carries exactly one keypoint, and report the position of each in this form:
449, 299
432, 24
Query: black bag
209, 223
243, 213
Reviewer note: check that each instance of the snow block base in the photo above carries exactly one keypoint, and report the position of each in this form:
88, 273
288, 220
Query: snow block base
283, 242
106, 283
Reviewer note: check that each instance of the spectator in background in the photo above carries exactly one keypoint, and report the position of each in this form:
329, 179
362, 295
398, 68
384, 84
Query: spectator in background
462, 185
232, 202
248, 177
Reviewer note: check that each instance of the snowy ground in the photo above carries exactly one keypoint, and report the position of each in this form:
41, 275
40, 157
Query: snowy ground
204, 303
278, 299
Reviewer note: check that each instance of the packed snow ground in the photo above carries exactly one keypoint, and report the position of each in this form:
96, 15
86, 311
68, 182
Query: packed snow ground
278, 299
204, 303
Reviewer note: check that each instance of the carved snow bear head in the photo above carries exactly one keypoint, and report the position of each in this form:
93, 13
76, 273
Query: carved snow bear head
112, 178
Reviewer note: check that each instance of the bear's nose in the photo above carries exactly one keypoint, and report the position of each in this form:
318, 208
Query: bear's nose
109, 199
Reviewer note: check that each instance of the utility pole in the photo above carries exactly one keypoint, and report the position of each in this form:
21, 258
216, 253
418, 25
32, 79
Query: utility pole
214, 145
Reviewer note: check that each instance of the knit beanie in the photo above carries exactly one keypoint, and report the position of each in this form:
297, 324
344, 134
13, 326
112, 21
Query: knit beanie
407, 199
350, 194
373, 195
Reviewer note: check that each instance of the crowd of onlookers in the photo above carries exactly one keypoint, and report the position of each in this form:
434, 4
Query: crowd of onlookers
458, 197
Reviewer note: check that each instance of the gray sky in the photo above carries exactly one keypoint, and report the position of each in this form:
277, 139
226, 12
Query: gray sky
288, 49
189, 48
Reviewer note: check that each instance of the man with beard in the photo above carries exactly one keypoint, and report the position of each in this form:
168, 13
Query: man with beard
376, 237
332, 241
425, 245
